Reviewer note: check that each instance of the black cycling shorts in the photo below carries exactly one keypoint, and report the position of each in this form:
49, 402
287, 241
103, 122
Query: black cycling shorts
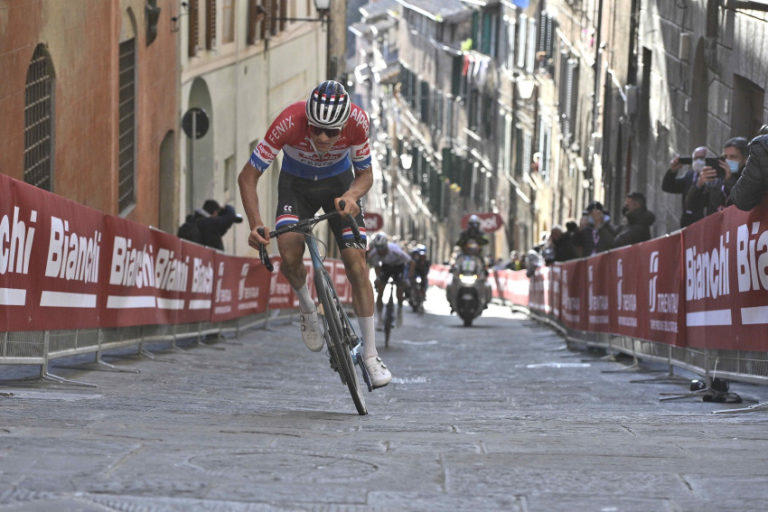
300, 198
394, 271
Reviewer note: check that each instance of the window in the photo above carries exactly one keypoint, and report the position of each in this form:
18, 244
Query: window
747, 111
227, 21
521, 38
256, 21
530, 53
38, 120
126, 195
511, 43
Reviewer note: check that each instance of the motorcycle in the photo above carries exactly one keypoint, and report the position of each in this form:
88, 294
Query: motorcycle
468, 290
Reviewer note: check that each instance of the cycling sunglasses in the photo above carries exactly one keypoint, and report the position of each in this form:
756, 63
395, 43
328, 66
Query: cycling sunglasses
330, 132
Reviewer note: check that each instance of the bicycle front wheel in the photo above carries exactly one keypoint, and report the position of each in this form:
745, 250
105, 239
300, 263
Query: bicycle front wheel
340, 336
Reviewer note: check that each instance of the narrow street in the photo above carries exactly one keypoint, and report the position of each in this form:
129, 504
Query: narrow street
499, 416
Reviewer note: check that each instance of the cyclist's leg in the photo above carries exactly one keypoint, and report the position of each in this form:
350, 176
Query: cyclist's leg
290, 245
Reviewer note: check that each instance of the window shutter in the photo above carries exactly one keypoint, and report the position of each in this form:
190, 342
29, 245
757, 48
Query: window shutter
530, 55
210, 23
522, 27
194, 28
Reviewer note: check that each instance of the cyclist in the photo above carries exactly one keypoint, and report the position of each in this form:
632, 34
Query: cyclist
420, 264
389, 261
326, 159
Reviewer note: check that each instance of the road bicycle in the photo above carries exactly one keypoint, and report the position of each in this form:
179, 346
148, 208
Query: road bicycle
416, 295
344, 345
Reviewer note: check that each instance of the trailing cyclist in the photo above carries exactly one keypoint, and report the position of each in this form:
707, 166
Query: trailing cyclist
326, 159
419, 267
389, 261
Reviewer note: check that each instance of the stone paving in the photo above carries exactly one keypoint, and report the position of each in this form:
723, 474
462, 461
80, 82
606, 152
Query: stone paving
499, 416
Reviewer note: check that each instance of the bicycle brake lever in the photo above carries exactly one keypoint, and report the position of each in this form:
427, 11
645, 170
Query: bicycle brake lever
353, 223
264, 255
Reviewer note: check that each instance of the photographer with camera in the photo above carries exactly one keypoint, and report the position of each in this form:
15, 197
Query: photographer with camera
713, 185
675, 184
207, 225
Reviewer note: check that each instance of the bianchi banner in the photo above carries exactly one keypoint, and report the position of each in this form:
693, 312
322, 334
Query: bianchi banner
66, 266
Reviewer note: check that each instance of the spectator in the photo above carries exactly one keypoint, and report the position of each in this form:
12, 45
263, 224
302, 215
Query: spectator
713, 186
583, 239
562, 245
680, 185
515, 261
214, 221
639, 221
749, 190
603, 232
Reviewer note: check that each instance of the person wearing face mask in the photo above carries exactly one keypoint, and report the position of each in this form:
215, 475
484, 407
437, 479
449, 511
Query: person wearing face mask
750, 190
710, 191
682, 184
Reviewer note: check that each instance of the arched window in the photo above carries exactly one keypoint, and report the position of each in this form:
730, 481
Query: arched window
38, 121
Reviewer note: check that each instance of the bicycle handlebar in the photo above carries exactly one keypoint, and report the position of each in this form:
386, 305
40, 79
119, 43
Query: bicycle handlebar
304, 225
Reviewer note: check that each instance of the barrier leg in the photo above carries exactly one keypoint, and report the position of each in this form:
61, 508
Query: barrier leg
46, 375
142, 351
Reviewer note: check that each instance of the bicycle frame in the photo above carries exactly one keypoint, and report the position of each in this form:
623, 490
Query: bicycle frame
344, 345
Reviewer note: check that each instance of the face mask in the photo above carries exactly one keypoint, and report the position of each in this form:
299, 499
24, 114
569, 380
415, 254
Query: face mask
697, 165
733, 164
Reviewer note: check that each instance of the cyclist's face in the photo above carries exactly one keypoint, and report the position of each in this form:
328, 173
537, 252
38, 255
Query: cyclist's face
323, 138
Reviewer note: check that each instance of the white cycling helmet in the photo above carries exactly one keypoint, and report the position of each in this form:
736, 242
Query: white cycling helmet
381, 241
328, 105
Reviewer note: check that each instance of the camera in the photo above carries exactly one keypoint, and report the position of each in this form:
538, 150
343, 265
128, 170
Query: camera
685, 160
717, 165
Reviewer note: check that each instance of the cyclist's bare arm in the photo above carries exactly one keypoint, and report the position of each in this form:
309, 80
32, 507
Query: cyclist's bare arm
247, 180
358, 188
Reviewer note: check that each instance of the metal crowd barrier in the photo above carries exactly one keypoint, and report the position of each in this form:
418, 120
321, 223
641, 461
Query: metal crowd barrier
40, 348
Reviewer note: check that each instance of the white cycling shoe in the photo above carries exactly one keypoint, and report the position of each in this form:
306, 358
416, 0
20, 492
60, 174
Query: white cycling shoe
378, 371
310, 331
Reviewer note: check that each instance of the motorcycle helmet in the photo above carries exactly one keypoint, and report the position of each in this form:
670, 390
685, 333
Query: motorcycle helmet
473, 222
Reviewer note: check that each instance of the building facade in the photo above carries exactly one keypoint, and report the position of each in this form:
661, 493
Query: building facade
88, 96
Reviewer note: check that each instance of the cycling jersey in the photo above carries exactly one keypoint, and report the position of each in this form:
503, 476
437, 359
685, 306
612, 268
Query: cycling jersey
395, 256
289, 132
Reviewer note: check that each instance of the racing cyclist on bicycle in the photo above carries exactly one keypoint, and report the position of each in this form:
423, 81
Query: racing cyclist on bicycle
389, 261
326, 159
420, 264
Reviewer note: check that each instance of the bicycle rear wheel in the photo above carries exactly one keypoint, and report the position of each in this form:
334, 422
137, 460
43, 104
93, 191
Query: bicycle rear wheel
389, 319
339, 338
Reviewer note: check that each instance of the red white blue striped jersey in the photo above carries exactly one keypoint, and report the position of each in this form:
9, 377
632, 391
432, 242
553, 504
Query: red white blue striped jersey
289, 132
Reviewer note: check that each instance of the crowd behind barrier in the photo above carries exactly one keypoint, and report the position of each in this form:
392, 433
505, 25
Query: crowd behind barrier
74, 280
696, 298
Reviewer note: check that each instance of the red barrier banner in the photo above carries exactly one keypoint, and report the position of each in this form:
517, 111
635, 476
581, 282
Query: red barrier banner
599, 292
438, 275
515, 285
242, 287
573, 294
726, 280
341, 283
51, 251
540, 298
657, 268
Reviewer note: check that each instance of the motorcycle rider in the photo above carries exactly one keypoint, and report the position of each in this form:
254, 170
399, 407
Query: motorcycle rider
473, 232
389, 261
470, 249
